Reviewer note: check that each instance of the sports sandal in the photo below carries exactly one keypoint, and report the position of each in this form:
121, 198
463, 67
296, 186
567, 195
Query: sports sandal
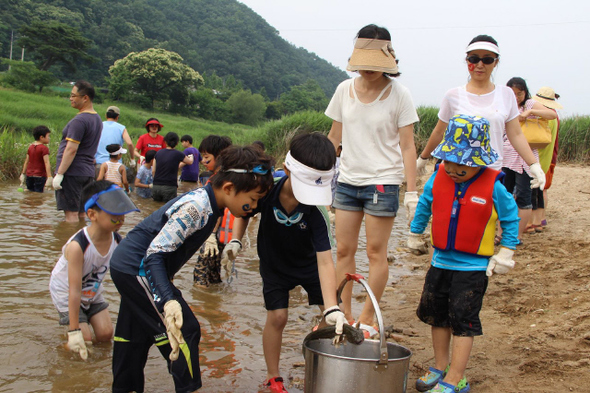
368, 330
430, 379
443, 387
276, 385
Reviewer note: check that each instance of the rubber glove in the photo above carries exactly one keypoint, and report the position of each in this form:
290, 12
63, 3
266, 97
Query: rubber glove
173, 320
421, 166
228, 256
501, 263
57, 181
76, 343
416, 244
538, 180
334, 317
151, 185
141, 159
22, 178
132, 164
211, 248
49, 182
410, 202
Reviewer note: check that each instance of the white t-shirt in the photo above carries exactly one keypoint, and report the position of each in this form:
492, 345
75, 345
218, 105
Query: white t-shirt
93, 272
498, 107
370, 138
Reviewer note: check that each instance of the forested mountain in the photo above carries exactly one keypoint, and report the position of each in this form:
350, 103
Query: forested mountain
213, 36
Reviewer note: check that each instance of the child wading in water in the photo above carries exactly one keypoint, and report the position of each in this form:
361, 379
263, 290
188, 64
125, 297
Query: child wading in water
112, 170
465, 200
76, 280
152, 309
36, 166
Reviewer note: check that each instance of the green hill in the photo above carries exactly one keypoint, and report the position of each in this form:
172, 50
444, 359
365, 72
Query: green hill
221, 36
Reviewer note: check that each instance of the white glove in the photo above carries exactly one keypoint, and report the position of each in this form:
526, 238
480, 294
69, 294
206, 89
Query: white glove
421, 166
141, 159
151, 185
57, 181
228, 256
211, 248
410, 202
417, 244
173, 320
132, 163
49, 182
22, 178
501, 263
334, 317
76, 343
538, 180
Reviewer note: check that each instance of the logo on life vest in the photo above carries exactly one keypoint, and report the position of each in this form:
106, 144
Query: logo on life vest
478, 200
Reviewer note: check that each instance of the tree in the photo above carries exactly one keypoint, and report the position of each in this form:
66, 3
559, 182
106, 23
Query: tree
246, 108
55, 42
24, 75
155, 73
308, 96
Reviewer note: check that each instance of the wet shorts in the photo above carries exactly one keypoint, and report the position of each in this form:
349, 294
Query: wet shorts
85, 315
276, 292
380, 201
68, 198
452, 298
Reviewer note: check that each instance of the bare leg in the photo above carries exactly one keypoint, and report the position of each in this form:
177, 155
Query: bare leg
461, 351
378, 231
102, 326
86, 332
348, 225
272, 338
441, 343
71, 216
525, 219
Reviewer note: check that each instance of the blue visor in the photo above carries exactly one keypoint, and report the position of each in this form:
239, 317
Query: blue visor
113, 200
258, 169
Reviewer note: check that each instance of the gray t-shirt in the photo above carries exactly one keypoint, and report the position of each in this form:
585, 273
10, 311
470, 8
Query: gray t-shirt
85, 130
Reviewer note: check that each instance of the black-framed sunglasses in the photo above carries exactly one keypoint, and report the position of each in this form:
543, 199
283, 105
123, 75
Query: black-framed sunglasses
474, 59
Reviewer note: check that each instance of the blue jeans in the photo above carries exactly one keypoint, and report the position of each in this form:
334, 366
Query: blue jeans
375, 200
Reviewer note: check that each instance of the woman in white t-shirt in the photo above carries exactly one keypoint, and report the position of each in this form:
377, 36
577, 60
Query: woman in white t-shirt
373, 117
480, 97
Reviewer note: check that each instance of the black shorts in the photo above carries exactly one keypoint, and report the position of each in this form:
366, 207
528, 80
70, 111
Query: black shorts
276, 291
36, 184
139, 326
68, 198
452, 298
164, 193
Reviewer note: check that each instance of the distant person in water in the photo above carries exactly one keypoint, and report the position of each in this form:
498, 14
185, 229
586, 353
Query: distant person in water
36, 167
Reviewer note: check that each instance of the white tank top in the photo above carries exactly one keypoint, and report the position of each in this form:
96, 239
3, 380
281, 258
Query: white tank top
113, 173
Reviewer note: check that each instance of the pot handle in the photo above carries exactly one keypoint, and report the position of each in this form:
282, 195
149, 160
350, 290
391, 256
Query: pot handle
384, 356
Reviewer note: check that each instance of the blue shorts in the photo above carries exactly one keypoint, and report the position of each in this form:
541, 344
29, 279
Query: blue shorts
373, 200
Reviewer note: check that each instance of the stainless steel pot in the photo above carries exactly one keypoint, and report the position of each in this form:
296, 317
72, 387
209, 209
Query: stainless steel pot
373, 366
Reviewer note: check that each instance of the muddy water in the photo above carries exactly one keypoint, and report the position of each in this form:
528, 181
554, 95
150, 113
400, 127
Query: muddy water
32, 356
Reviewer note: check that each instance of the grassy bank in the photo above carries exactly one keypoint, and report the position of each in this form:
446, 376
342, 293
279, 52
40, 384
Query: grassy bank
20, 112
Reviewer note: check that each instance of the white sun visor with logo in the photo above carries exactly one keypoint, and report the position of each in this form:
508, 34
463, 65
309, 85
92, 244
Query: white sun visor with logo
310, 186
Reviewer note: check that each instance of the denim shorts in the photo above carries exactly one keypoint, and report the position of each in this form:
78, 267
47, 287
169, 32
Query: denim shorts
85, 315
376, 200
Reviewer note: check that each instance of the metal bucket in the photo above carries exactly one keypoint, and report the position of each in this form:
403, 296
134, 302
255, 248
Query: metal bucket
373, 366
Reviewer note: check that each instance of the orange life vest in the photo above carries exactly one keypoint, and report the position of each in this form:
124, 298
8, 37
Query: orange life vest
226, 227
464, 220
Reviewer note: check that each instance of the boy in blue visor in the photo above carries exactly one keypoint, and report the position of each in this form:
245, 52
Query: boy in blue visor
152, 309
294, 243
76, 280
465, 200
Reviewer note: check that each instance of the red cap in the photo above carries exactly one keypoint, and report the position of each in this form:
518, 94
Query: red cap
154, 122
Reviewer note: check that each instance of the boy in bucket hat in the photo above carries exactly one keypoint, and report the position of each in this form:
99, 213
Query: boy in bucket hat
76, 280
465, 199
294, 243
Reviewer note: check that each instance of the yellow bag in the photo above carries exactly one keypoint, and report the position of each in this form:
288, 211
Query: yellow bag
537, 132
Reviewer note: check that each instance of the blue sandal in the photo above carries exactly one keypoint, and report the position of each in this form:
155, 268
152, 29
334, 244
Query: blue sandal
443, 387
430, 379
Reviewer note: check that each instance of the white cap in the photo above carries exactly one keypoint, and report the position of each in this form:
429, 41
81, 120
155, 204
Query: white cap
310, 186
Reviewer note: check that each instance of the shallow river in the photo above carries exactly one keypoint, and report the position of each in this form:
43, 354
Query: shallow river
32, 356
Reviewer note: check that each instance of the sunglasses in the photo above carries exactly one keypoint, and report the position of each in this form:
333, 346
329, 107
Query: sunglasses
282, 218
259, 170
474, 59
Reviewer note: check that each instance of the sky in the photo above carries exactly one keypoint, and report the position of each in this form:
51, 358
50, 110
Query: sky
544, 42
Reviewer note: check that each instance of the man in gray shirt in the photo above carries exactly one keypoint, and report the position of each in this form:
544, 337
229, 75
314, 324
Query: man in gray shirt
75, 156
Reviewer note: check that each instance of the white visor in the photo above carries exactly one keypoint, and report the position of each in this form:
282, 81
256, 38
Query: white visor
120, 151
483, 45
310, 186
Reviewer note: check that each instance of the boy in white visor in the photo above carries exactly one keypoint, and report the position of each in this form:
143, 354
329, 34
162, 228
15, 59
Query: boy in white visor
294, 243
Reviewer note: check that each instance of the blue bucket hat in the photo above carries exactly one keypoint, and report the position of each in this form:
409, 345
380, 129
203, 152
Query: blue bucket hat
467, 142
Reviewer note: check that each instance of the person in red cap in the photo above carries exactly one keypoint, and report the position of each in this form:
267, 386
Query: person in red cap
150, 141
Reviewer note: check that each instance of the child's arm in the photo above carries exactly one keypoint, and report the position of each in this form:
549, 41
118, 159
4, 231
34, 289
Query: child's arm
327, 273
507, 215
102, 172
139, 184
123, 173
154, 167
49, 180
75, 257
24, 172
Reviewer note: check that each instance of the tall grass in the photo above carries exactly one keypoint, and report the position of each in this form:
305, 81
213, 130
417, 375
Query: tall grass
574, 139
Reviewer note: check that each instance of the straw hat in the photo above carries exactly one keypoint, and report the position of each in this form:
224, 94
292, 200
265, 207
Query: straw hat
370, 54
546, 96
